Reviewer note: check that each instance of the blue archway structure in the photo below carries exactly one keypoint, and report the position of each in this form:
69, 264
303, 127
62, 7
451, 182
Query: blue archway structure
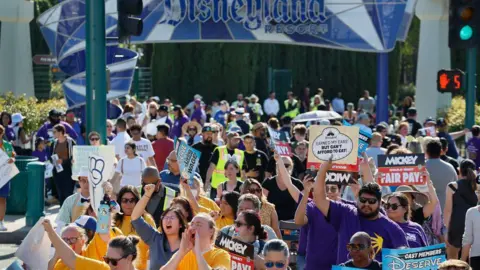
356, 25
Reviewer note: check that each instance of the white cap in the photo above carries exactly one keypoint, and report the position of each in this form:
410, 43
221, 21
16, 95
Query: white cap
17, 118
83, 173
197, 96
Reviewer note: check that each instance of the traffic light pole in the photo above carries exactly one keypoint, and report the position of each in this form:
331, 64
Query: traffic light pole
96, 110
471, 87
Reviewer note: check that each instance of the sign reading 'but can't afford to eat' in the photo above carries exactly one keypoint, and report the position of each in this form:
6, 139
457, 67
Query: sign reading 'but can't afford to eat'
338, 142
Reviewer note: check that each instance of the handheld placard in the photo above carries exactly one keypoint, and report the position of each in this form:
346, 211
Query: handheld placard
103, 220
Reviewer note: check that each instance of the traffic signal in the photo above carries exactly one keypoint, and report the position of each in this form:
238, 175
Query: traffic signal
450, 81
464, 24
129, 23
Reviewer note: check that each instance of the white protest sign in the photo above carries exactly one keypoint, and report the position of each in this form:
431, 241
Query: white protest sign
7, 171
98, 173
35, 248
82, 152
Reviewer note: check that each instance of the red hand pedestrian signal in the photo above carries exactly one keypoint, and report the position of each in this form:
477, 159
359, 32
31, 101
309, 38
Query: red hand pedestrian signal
449, 81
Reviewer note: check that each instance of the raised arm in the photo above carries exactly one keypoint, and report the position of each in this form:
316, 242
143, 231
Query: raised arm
429, 208
319, 195
458, 134
139, 208
301, 213
284, 180
63, 250
367, 175
191, 199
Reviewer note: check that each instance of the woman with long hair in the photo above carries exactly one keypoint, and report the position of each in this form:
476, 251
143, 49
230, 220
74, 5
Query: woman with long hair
350, 115
398, 210
407, 103
249, 230
180, 119
197, 249
129, 168
460, 197
232, 184
228, 209
268, 214
163, 243
128, 197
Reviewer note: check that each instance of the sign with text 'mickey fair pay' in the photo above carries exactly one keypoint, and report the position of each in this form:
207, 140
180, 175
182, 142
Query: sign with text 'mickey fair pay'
398, 170
242, 254
338, 142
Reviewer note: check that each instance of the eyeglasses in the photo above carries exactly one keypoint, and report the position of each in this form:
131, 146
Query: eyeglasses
368, 200
356, 247
169, 218
127, 200
239, 224
393, 206
112, 261
94, 139
71, 241
254, 190
331, 189
276, 264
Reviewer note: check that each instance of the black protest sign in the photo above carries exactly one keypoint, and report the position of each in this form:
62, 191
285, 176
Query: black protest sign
339, 178
242, 254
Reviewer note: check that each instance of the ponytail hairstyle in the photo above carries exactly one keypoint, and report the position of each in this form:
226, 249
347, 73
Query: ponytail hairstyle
468, 170
128, 245
252, 219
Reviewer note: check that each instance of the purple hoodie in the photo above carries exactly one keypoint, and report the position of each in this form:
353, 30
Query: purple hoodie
44, 130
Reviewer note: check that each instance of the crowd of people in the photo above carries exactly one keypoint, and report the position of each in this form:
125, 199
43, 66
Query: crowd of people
243, 188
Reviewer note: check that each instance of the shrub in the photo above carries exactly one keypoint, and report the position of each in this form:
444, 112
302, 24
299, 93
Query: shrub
35, 112
456, 114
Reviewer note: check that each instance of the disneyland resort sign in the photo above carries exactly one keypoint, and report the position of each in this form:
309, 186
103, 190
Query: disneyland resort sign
276, 16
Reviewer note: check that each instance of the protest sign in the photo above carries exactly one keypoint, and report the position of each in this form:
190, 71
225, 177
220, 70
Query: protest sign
97, 175
7, 171
242, 254
35, 248
188, 159
337, 141
425, 258
81, 155
281, 142
398, 170
365, 134
339, 178
338, 267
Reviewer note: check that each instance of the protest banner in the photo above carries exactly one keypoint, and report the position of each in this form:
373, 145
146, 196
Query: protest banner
7, 171
35, 248
365, 134
424, 258
398, 170
98, 173
188, 159
81, 155
281, 142
338, 267
242, 254
339, 178
338, 142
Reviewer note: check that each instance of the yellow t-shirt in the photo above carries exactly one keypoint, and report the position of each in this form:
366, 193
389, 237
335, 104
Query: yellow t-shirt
207, 205
87, 263
216, 258
95, 250
223, 221
143, 249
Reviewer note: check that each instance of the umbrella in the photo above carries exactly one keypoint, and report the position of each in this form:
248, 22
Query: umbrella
317, 116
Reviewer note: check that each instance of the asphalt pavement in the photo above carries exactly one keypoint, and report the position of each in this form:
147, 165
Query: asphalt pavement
7, 254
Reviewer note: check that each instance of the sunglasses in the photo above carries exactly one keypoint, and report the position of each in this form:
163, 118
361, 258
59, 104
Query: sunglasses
356, 247
112, 261
331, 189
94, 139
239, 224
276, 264
393, 206
131, 200
254, 190
368, 200
71, 241
192, 129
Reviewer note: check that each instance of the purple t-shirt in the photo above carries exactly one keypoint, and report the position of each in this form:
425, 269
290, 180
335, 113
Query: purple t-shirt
176, 131
46, 131
41, 155
9, 134
383, 232
199, 116
473, 145
415, 234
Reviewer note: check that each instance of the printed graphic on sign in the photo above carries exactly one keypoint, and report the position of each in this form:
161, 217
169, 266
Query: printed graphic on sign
188, 159
397, 170
281, 142
339, 178
242, 254
338, 142
424, 258
365, 133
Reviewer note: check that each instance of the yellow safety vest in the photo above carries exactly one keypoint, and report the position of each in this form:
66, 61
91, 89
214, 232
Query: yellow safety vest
169, 195
218, 176
291, 113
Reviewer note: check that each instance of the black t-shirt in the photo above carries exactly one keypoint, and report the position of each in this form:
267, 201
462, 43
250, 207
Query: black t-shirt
257, 161
204, 163
417, 216
374, 265
299, 167
261, 144
216, 155
414, 126
452, 161
244, 126
283, 201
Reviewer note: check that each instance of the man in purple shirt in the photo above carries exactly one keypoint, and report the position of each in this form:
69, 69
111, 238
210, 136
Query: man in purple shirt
198, 114
46, 131
348, 220
473, 145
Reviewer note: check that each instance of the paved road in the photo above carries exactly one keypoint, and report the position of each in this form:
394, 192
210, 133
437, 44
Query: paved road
7, 255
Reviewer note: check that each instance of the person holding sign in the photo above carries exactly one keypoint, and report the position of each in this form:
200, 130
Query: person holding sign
398, 210
197, 250
249, 230
5, 190
362, 253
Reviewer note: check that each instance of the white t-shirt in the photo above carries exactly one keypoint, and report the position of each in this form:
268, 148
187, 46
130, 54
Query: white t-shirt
144, 148
132, 170
119, 143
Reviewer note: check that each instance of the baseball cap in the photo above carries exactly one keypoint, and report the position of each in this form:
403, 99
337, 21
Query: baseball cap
163, 108
86, 222
208, 128
197, 96
430, 120
233, 135
54, 112
412, 111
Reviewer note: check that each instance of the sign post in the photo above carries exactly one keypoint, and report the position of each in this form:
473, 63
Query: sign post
471, 87
45, 60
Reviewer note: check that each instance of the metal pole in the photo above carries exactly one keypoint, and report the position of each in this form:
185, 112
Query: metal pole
96, 101
382, 87
471, 87
136, 82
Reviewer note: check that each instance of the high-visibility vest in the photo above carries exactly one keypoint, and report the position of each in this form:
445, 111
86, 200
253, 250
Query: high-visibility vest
288, 108
169, 196
218, 175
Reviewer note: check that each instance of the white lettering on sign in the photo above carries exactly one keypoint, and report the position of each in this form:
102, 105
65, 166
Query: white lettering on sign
400, 160
401, 178
337, 177
240, 266
233, 245
282, 150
